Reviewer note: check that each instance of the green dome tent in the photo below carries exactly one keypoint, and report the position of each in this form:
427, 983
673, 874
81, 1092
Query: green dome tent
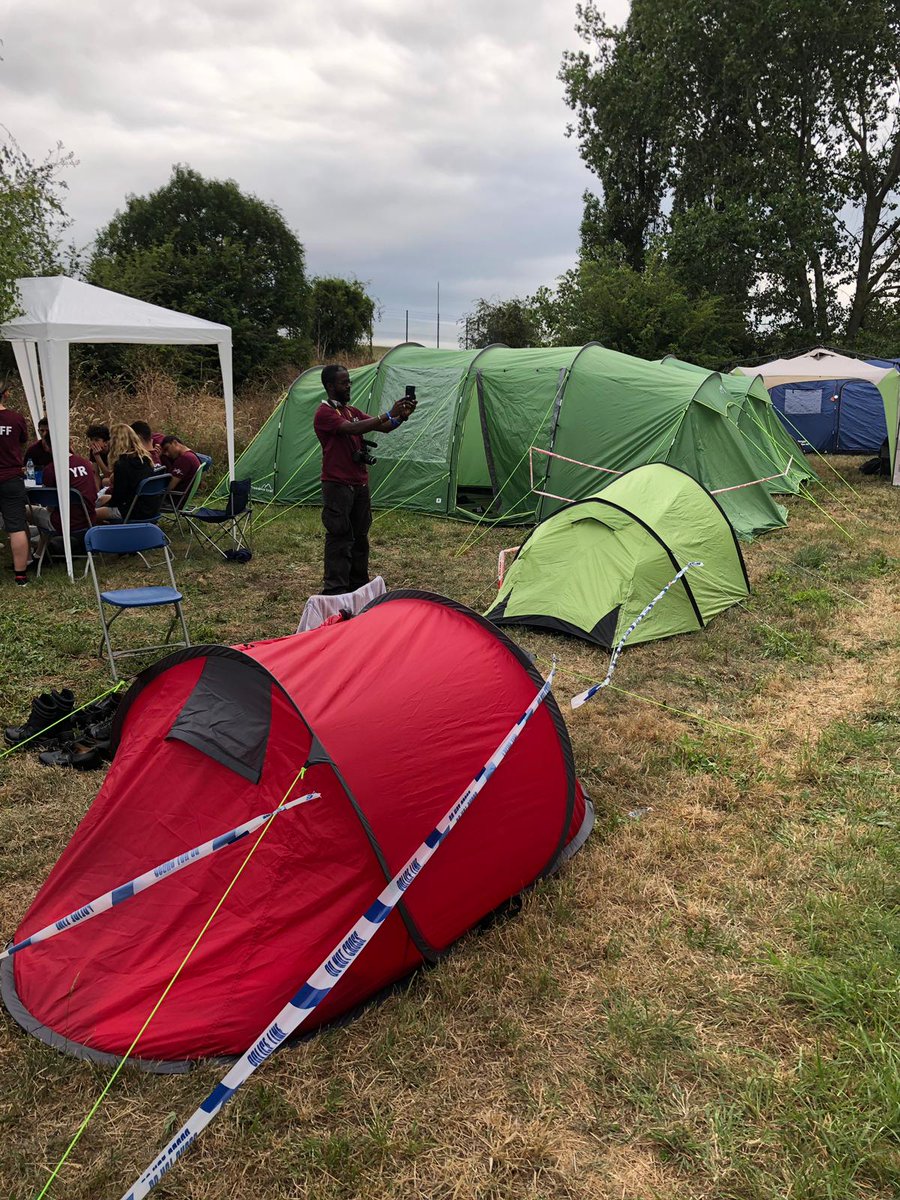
592, 567
495, 428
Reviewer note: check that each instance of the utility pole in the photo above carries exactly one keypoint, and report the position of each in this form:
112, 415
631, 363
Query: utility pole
406, 339
439, 315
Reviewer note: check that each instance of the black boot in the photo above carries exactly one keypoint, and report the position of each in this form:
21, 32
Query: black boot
43, 713
49, 721
101, 711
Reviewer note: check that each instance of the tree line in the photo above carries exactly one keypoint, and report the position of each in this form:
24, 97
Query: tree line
748, 158
200, 246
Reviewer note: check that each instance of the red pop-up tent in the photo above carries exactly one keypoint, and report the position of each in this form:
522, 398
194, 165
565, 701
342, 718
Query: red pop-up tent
393, 713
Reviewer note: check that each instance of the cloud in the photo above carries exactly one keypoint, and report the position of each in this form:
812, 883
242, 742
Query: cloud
404, 143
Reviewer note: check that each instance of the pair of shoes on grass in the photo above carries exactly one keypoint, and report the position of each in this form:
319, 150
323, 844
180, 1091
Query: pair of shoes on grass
86, 753
66, 738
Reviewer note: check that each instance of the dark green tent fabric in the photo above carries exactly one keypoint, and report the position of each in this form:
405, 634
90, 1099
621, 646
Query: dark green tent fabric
473, 448
592, 567
750, 407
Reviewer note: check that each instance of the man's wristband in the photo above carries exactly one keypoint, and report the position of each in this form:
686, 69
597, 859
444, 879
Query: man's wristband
395, 421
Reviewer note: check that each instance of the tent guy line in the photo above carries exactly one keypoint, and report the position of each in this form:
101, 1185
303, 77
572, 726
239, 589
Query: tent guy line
333, 968
125, 891
583, 697
156, 1007
680, 712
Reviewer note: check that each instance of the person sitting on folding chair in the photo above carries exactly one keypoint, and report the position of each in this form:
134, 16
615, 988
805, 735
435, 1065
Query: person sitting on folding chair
146, 434
40, 452
81, 478
130, 463
98, 451
182, 464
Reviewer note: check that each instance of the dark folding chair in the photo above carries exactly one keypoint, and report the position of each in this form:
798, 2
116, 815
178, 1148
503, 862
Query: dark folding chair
231, 524
133, 539
49, 543
154, 485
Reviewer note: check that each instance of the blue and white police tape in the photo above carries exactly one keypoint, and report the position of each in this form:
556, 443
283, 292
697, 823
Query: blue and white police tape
125, 891
324, 978
583, 697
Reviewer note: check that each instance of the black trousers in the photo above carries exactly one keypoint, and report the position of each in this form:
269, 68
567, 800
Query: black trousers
347, 516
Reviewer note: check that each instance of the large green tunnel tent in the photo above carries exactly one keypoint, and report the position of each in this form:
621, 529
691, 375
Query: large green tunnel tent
484, 416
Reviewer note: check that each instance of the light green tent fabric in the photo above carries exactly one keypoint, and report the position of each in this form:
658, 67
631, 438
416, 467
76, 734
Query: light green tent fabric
470, 450
592, 567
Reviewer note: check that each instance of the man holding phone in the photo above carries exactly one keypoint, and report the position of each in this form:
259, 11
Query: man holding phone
346, 506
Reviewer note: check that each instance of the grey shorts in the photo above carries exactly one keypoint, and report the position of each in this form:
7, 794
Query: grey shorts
12, 504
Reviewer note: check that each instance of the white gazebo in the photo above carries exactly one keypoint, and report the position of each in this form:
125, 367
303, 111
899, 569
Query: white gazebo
57, 311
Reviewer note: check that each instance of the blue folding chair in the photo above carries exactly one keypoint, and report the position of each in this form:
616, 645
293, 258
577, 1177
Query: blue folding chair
156, 486
133, 539
232, 523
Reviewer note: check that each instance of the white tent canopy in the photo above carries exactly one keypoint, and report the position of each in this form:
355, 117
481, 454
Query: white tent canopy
57, 311
816, 364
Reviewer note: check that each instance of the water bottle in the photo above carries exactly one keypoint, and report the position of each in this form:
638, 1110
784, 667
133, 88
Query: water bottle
29, 472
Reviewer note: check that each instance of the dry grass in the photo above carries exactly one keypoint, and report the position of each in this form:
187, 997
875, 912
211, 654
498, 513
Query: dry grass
657, 1021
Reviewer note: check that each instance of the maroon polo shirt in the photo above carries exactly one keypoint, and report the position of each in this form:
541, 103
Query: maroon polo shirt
13, 436
338, 448
81, 478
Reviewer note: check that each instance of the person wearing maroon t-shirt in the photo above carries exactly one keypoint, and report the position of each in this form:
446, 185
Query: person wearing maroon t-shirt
13, 436
151, 441
182, 464
81, 479
40, 452
346, 506
98, 453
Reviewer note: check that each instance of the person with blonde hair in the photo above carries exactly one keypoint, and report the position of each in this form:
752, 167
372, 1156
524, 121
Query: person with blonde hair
130, 463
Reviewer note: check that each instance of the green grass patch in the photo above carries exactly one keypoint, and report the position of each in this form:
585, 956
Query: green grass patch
702, 1004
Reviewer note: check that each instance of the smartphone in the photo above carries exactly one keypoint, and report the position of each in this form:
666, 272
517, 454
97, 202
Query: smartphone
410, 391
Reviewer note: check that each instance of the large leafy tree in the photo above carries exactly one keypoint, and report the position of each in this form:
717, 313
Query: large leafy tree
646, 313
341, 314
204, 247
32, 217
508, 322
757, 145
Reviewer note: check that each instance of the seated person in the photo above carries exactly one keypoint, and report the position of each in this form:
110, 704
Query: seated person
40, 452
98, 441
130, 464
81, 479
182, 463
150, 440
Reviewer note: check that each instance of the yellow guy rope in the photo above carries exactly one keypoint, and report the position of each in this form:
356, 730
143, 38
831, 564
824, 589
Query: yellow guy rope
84, 1124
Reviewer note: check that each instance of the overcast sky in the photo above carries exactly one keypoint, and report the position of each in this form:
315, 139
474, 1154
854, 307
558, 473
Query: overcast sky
406, 143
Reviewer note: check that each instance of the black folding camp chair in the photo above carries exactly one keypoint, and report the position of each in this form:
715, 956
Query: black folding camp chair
226, 529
